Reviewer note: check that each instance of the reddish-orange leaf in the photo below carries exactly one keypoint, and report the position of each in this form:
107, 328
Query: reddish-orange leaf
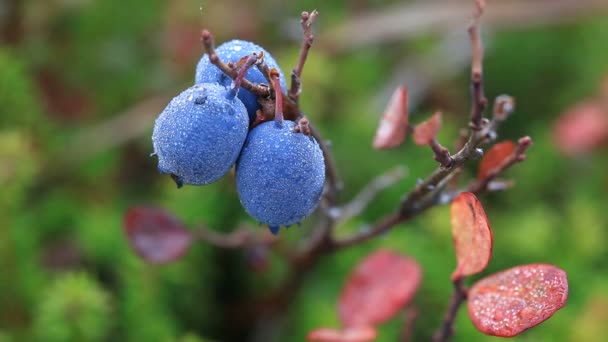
472, 235
495, 157
155, 235
348, 334
427, 130
581, 129
392, 129
509, 302
381, 285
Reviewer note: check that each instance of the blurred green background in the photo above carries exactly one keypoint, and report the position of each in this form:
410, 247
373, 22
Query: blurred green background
81, 82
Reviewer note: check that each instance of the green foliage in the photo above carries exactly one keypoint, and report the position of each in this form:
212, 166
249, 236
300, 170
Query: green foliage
18, 98
73, 308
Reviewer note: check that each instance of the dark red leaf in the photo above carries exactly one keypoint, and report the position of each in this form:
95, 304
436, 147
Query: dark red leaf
392, 129
155, 235
427, 130
495, 157
348, 334
472, 235
582, 128
382, 284
509, 302
63, 101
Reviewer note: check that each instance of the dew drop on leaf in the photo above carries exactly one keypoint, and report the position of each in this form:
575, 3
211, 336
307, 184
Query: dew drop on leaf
509, 302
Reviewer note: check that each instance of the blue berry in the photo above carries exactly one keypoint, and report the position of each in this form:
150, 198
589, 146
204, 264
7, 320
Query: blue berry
233, 51
280, 174
199, 135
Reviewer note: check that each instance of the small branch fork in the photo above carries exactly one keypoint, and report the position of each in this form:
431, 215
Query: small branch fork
442, 154
209, 44
306, 21
517, 156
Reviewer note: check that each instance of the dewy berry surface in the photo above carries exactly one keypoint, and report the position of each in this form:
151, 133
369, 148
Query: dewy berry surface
199, 135
233, 51
280, 174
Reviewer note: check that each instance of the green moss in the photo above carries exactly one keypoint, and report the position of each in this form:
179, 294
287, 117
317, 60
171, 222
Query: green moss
73, 308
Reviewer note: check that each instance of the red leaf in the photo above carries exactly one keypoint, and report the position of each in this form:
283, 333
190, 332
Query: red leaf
155, 235
63, 101
427, 130
509, 302
472, 235
581, 129
348, 334
382, 284
392, 129
495, 157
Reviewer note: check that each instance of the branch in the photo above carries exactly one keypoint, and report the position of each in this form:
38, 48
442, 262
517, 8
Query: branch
422, 197
442, 154
242, 70
382, 226
447, 327
333, 181
517, 156
368, 193
307, 19
479, 102
209, 44
236, 239
426, 194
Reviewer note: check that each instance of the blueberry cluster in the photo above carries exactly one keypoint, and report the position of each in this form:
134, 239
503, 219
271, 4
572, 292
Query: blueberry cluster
209, 127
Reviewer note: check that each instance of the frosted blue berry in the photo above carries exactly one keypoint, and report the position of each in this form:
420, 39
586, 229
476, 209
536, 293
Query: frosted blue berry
233, 51
199, 135
280, 174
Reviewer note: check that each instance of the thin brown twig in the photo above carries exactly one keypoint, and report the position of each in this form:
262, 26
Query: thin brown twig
517, 156
425, 194
380, 227
209, 44
445, 332
238, 238
442, 154
249, 62
306, 21
422, 197
479, 101
369, 192
333, 180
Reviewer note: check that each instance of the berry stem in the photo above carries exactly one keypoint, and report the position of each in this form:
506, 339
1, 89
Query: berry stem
276, 85
209, 44
306, 21
249, 61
